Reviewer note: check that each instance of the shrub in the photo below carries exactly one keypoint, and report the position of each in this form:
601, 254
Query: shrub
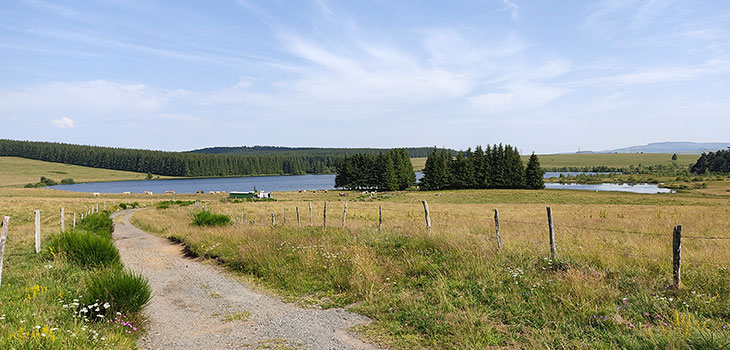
167, 204
206, 218
125, 291
86, 249
129, 205
98, 223
68, 181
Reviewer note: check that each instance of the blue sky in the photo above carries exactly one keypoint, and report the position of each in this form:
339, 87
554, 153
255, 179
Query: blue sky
545, 76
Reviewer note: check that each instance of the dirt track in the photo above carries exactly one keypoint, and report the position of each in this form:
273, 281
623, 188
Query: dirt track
196, 305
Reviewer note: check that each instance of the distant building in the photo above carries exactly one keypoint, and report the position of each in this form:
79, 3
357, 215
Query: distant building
235, 194
263, 194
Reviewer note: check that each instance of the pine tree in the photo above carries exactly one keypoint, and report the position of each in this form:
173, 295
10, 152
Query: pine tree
533, 174
436, 171
387, 180
403, 168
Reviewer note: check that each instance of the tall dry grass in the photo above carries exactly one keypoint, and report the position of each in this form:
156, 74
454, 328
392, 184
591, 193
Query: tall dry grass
450, 287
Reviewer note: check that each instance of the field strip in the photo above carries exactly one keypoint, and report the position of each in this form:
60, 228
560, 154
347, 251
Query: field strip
196, 306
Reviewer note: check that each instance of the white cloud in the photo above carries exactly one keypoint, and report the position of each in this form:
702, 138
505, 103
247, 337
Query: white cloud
513, 8
661, 74
517, 97
63, 123
96, 98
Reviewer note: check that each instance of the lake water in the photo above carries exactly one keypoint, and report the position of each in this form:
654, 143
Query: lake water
289, 183
551, 174
637, 188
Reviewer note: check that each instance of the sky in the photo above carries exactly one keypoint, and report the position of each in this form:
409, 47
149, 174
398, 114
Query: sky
545, 76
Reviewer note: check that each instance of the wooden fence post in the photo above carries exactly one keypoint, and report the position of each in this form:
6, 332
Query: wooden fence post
677, 256
97, 207
273, 219
3, 238
37, 231
344, 216
380, 218
74, 221
496, 224
324, 217
428, 216
299, 222
553, 252
311, 222
63, 226
284, 216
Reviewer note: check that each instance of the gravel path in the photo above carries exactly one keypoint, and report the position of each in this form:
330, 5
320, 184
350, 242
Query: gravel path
198, 306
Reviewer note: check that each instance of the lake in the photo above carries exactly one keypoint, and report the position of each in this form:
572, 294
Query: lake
290, 183
636, 188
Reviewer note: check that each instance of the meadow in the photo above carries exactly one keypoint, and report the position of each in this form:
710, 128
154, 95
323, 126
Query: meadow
16, 172
451, 287
584, 160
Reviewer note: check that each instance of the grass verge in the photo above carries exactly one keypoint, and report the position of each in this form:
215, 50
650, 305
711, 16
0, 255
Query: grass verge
57, 299
452, 289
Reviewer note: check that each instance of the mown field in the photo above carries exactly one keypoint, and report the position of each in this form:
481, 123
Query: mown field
16, 172
612, 160
452, 288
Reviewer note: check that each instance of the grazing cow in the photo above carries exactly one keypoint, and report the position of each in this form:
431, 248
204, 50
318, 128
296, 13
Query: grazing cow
344, 194
169, 192
211, 192
127, 193
96, 194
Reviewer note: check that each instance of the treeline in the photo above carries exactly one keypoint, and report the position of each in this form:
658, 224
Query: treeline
714, 162
389, 171
495, 166
413, 152
168, 163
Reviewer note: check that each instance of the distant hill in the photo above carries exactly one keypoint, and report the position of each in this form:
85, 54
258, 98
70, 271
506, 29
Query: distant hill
413, 152
674, 147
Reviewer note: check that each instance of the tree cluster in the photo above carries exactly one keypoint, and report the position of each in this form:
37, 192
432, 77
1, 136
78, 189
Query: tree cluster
495, 166
413, 152
169, 163
390, 171
715, 162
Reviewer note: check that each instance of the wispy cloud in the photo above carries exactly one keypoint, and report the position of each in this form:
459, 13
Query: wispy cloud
63, 123
660, 74
513, 8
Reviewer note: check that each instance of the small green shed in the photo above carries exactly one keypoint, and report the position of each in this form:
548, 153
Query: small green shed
235, 194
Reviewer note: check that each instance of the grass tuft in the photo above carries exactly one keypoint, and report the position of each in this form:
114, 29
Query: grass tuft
85, 249
126, 291
206, 218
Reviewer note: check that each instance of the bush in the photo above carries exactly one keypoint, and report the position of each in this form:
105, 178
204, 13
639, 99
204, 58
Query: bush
86, 249
68, 181
206, 218
125, 291
43, 183
167, 204
129, 205
98, 223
